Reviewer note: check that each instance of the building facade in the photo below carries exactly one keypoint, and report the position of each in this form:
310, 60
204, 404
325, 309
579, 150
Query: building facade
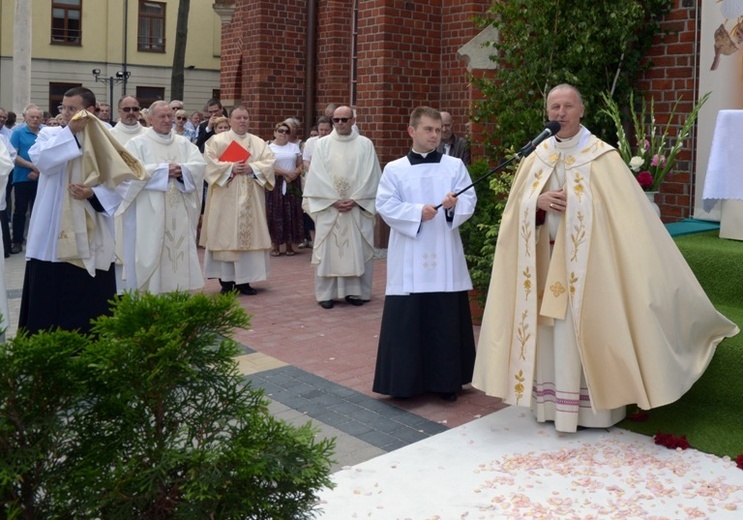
130, 44
383, 58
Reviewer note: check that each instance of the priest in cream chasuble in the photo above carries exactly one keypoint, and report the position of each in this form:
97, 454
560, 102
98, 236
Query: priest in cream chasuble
596, 308
344, 171
156, 222
235, 230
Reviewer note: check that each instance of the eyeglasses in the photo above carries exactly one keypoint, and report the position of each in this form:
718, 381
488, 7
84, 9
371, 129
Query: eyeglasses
341, 119
282, 130
130, 109
181, 118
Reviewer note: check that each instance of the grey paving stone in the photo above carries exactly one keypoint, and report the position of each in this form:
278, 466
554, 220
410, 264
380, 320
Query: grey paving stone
377, 438
354, 428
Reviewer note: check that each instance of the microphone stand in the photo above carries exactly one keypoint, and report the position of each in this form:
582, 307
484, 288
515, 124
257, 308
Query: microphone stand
550, 129
491, 172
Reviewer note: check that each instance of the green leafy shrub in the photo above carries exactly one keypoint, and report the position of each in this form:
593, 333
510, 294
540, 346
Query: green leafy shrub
41, 391
160, 424
480, 232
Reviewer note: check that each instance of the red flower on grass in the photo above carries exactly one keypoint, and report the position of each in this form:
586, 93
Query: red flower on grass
739, 461
639, 416
670, 441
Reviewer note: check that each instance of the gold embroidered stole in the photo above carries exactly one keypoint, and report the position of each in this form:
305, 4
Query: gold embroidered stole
568, 264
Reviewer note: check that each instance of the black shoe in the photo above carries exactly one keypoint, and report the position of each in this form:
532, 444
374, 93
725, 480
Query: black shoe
246, 289
17, 248
448, 396
227, 287
326, 304
357, 302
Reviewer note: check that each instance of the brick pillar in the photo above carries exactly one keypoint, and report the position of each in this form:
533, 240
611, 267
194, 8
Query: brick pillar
263, 61
674, 75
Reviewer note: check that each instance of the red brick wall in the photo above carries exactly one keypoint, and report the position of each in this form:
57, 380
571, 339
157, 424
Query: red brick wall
457, 96
335, 26
674, 75
406, 57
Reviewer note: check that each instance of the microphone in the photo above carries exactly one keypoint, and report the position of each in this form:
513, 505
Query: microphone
550, 129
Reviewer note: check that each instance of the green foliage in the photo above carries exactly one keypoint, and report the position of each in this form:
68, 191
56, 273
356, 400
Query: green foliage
596, 46
40, 390
480, 232
160, 424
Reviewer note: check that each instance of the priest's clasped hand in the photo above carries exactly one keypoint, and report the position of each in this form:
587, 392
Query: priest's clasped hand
174, 170
241, 168
80, 191
554, 201
344, 205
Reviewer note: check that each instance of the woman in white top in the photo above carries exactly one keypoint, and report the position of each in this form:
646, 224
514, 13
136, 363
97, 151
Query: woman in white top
284, 203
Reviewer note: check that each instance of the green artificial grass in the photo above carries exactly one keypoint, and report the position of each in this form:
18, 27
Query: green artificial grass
710, 414
716, 263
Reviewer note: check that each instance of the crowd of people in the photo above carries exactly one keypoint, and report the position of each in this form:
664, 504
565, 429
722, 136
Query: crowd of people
124, 208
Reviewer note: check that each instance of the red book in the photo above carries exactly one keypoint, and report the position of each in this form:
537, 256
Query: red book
234, 153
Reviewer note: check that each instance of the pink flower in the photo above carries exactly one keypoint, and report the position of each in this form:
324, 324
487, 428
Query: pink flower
658, 160
645, 179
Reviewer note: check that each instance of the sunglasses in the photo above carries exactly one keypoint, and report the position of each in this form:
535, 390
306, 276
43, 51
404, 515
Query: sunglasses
130, 109
341, 119
181, 118
282, 130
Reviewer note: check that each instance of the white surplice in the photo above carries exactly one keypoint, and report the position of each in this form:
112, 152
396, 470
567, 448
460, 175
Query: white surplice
425, 256
6, 166
55, 148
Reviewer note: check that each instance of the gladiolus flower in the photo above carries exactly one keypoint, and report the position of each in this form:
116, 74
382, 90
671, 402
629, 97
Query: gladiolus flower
636, 163
658, 160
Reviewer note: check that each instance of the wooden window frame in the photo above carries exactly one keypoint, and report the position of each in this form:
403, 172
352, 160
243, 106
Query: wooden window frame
150, 42
65, 35
146, 95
